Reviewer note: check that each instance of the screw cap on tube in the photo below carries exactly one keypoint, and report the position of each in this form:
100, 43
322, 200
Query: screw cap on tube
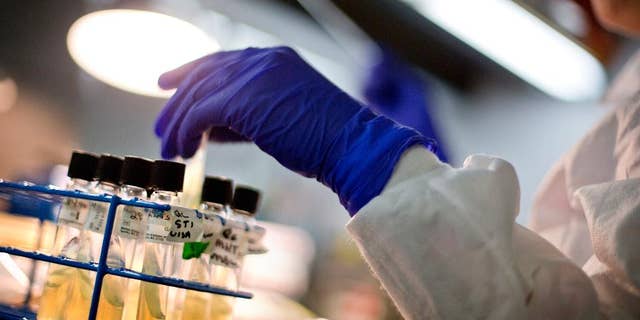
136, 171
246, 199
109, 168
167, 175
83, 165
217, 190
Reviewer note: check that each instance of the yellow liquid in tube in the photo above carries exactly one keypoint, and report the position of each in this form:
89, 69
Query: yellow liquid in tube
67, 291
48, 232
67, 294
196, 303
150, 306
152, 297
130, 311
111, 302
221, 307
79, 301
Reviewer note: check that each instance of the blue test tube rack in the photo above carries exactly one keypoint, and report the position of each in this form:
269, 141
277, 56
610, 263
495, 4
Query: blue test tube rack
55, 195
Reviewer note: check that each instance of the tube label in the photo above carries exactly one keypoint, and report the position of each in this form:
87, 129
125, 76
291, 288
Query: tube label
186, 225
131, 222
73, 212
228, 247
96, 217
255, 244
211, 228
211, 225
158, 226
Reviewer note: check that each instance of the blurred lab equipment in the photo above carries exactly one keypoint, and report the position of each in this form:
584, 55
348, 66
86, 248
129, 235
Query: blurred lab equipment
154, 43
8, 92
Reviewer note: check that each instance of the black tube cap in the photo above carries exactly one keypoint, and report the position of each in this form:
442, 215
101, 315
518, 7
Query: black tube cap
109, 168
83, 165
217, 190
136, 171
167, 175
246, 199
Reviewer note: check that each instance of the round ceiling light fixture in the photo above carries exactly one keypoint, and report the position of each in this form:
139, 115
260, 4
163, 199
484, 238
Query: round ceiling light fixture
129, 49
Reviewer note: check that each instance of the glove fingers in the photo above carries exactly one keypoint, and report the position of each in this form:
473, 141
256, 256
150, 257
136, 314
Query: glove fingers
189, 74
204, 114
197, 75
168, 148
188, 99
170, 145
172, 79
168, 123
201, 83
167, 114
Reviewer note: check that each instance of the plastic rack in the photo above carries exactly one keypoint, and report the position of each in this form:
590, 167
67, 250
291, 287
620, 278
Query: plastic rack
53, 194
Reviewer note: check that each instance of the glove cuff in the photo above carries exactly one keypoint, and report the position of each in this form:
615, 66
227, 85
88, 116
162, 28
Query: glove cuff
363, 157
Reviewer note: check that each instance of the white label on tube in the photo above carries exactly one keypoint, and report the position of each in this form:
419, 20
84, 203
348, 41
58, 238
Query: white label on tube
186, 225
73, 212
254, 240
97, 217
158, 226
228, 247
131, 224
211, 228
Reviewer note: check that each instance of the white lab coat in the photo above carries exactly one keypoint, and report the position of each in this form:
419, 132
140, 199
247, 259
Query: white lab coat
444, 242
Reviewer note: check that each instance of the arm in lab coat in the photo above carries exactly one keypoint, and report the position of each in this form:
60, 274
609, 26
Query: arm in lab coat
444, 244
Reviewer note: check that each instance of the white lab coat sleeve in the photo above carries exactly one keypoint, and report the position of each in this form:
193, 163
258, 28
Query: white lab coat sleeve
612, 211
444, 244
588, 206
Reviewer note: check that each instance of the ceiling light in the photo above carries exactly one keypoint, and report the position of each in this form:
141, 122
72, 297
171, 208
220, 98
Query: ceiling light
129, 49
521, 42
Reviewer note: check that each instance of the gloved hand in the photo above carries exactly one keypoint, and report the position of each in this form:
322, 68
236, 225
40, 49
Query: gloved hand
274, 98
394, 90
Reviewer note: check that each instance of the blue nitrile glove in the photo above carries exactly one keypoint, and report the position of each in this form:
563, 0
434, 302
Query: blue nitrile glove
394, 90
274, 98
